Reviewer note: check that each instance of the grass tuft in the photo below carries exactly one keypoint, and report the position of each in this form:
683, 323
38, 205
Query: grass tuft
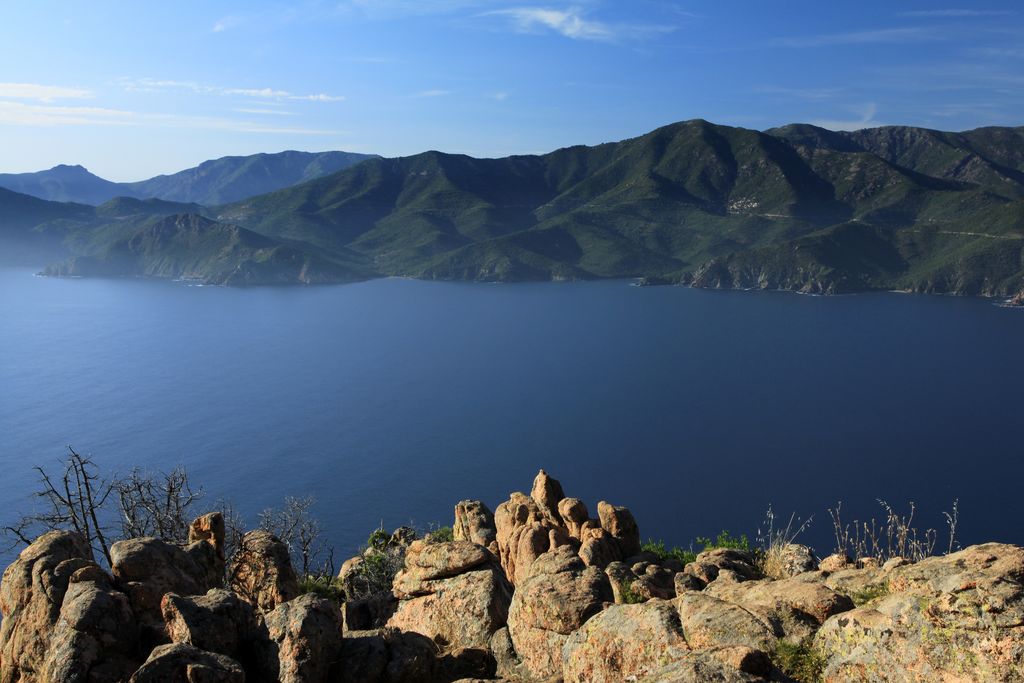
323, 585
869, 593
799, 661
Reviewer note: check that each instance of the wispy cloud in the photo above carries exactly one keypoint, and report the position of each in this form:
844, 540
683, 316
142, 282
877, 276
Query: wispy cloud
40, 115
266, 112
983, 111
999, 52
433, 93
802, 93
156, 85
265, 93
319, 97
378, 9
576, 23
571, 22
22, 114
913, 34
499, 96
225, 23
952, 76
865, 120
955, 13
42, 93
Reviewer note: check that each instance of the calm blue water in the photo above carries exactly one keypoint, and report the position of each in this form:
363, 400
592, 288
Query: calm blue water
391, 400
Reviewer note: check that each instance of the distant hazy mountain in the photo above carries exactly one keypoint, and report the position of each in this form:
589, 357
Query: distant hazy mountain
230, 179
212, 182
190, 247
799, 208
63, 184
34, 230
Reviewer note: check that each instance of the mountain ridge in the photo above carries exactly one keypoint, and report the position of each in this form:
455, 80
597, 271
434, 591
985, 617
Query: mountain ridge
798, 207
214, 181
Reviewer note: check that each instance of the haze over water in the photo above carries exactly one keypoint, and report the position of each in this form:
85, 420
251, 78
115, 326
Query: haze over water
391, 400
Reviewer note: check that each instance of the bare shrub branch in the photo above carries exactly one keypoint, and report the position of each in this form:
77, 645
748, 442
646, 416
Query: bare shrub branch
75, 502
156, 504
895, 536
295, 524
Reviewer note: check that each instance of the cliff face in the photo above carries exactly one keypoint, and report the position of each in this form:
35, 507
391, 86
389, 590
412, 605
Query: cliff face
537, 591
190, 247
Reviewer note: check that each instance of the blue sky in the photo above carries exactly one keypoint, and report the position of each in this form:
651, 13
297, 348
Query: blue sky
133, 89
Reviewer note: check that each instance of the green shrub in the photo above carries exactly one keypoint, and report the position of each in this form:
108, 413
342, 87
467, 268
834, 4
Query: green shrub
725, 540
323, 585
378, 539
443, 534
376, 573
801, 661
665, 553
629, 597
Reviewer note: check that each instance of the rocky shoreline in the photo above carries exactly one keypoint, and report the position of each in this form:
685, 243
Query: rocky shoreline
537, 591
817, 288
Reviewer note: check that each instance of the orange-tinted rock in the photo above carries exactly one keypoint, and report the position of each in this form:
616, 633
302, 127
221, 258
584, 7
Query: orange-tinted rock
261, 571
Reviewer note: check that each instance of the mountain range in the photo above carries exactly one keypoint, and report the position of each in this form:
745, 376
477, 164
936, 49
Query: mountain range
217, 181
798, 208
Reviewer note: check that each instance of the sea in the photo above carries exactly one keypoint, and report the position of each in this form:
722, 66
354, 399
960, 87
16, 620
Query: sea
391, 400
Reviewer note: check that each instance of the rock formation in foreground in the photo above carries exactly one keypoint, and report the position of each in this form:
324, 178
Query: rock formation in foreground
537, 591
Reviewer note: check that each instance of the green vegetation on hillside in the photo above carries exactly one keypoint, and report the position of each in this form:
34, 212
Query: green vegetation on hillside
801, 208
216, 181
796, 208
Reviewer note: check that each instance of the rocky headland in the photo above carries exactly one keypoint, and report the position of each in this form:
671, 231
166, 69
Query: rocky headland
538, 590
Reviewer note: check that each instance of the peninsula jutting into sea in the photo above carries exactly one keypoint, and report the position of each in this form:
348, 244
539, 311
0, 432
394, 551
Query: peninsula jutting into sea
796, 208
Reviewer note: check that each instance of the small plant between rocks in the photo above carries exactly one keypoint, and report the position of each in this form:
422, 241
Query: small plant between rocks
894, 536
629, 596
724, 539
663, 552
869, 593
772, 555
325, 586
800, 661
444, 534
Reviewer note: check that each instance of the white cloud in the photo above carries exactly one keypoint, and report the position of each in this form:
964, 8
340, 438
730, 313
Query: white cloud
433, 93
500, 96
319, 97
885, 35
42, 93
267, 93
267, 112
225, 23
952, 76
379, 9
569, 22
955, 13
38, 115
866, 120
1014, 52
156, 85
573, 22
22, 114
